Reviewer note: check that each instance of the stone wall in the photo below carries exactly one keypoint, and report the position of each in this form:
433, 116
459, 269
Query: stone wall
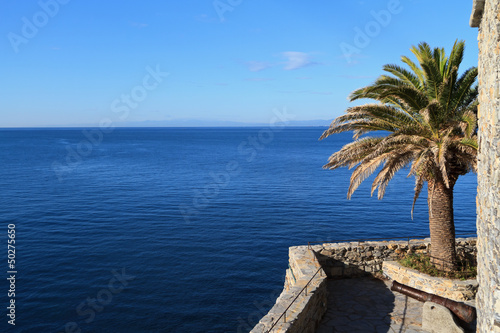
306, 312
336, 260
457, 290
362, 258
486, 16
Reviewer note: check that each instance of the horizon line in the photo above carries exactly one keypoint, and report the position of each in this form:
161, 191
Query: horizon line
123, 127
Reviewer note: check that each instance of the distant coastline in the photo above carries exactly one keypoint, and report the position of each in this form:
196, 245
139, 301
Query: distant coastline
188, 123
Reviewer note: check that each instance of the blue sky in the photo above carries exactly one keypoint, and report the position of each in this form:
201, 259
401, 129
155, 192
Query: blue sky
73, 63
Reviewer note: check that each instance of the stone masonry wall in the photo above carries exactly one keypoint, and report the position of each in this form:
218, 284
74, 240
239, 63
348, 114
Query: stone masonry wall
457, 290
306, 312
486, 15
362, 258
336, 260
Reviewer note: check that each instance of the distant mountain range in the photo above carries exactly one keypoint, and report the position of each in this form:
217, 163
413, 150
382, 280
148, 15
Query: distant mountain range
217, 123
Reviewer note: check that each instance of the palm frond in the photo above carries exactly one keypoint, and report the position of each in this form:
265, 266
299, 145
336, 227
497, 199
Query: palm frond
363, 171
404, 75
392, 165
419, 184
457, 54
429, 113
417, 70
352, 153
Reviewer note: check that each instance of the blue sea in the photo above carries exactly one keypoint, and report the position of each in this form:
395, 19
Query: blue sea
178, 229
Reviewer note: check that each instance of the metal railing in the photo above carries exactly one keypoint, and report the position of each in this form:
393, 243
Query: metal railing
283, 315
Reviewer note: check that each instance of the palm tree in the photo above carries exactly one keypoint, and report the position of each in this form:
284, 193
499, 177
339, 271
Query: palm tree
429, 115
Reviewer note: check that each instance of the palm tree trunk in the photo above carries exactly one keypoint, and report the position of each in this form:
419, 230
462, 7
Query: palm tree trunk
441, 225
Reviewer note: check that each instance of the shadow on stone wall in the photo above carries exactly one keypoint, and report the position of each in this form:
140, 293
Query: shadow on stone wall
338, 269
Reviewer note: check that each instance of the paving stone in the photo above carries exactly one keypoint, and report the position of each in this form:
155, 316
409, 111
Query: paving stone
368, 305
381, 328
343, 329
325, 329
396, 328
413, 330
439, 319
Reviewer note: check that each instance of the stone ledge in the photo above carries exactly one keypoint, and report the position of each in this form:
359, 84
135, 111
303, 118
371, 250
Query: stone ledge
477, 13
457, 290
336, 260
365, 258
306, 312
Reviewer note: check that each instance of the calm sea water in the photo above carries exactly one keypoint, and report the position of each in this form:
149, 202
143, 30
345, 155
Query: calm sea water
178, 230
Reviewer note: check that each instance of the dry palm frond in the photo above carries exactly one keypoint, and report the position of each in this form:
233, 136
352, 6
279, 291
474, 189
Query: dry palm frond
429, 112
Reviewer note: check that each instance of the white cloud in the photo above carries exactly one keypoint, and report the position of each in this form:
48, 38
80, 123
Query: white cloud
297, 60
259, 79
257, 66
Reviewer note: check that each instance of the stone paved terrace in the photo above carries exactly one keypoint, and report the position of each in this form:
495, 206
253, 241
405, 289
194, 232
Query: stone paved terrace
364, 305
